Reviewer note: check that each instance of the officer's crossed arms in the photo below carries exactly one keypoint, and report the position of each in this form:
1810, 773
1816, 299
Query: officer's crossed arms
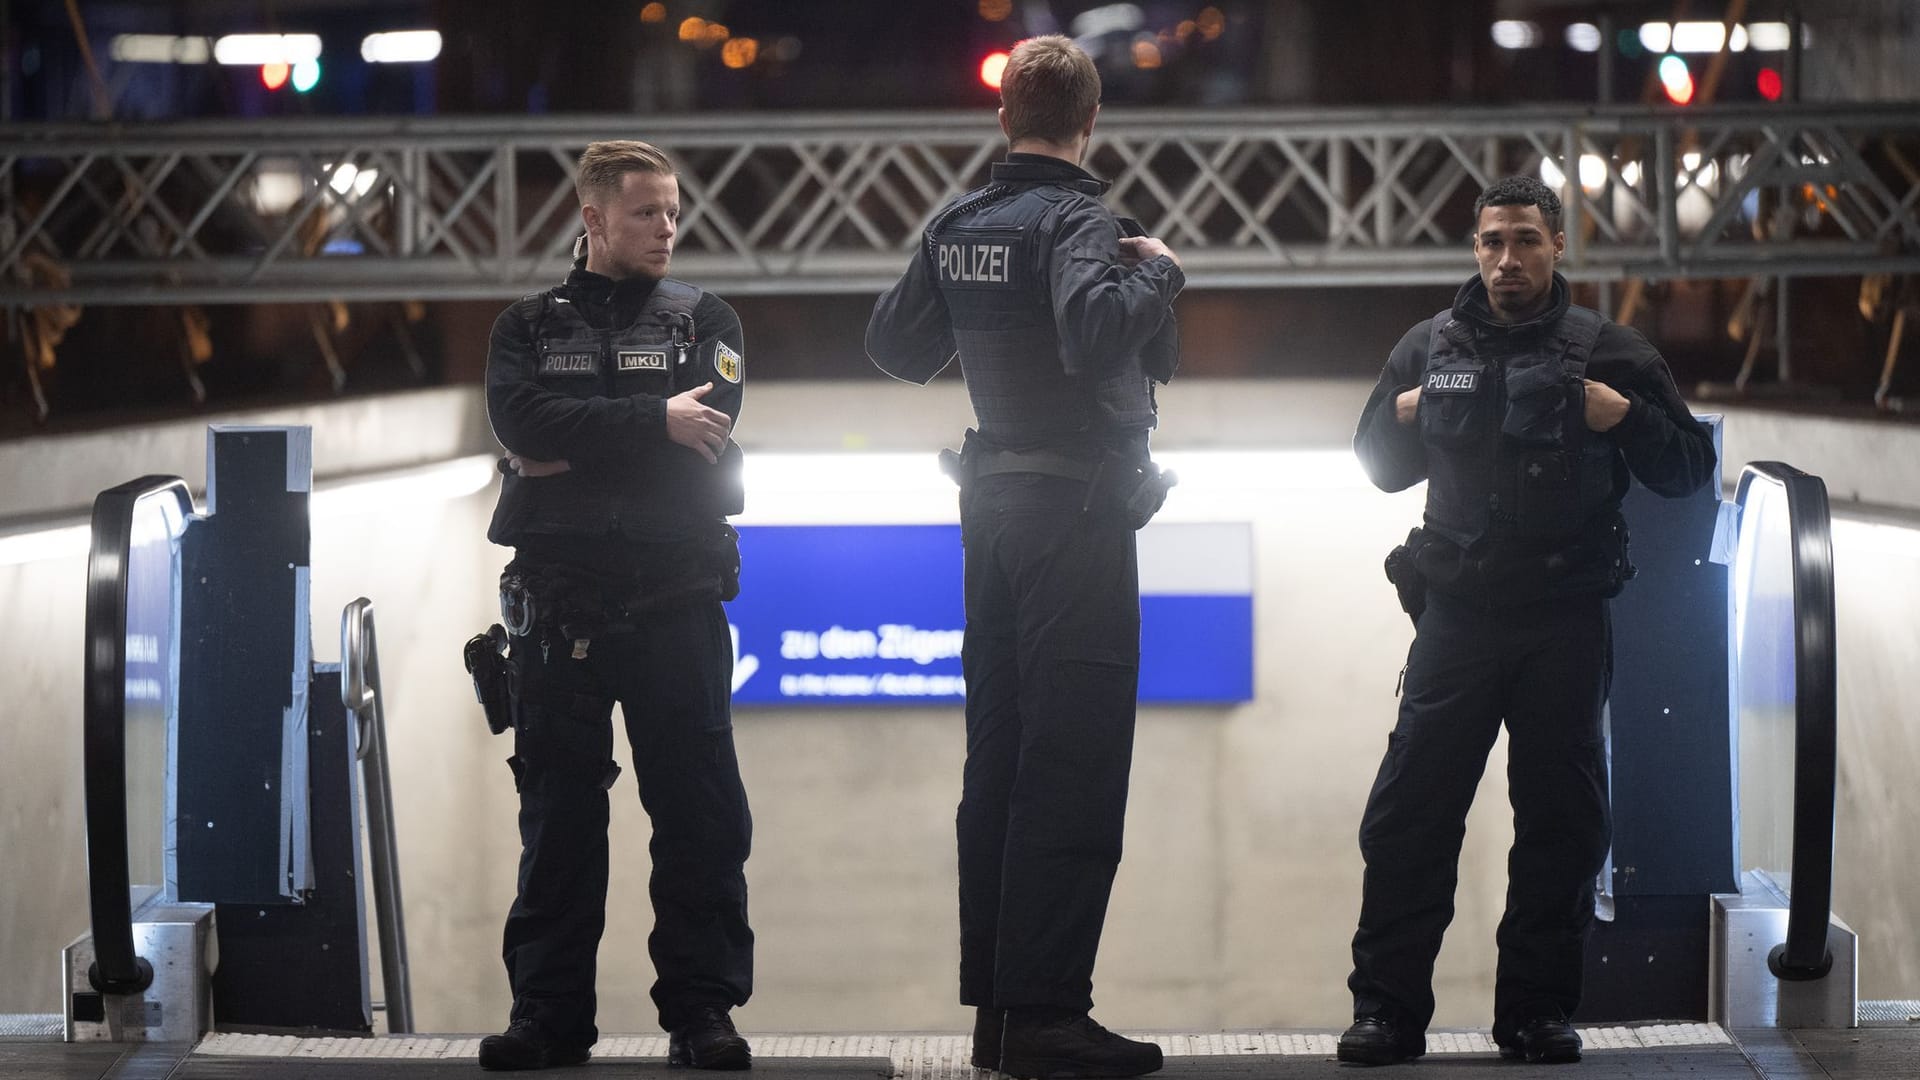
693, 425
1135, 250
1606, 407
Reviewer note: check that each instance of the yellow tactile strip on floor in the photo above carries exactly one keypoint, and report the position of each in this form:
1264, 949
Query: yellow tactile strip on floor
932, 1057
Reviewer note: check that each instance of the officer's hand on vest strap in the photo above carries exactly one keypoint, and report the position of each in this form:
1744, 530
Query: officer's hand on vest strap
1135, 250
697, 427
1406, 407
528, 467
1605, 406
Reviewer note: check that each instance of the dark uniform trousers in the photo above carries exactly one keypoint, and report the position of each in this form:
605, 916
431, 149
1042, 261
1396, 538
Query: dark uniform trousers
1544, 668
1051, 658
672, 678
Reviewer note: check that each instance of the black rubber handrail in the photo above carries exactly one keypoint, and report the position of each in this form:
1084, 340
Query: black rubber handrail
360, 693
1804, 954
117, 969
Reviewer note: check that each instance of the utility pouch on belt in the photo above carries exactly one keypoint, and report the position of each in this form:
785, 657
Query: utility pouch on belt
1405, 576
486, 660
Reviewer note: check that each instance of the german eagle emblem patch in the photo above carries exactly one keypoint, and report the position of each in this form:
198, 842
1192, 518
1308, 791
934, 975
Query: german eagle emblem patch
726, 362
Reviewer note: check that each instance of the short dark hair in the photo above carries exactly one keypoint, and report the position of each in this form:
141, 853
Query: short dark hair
1049, 89
1519, 191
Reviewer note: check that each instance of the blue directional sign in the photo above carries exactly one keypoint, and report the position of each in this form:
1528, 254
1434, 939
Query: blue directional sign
851, 614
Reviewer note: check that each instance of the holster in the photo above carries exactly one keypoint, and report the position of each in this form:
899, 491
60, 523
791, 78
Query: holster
1141, 490
1407, 580
723, 552
486, 661
1615, 554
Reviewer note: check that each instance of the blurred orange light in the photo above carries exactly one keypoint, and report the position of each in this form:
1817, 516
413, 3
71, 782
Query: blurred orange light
693, 28
1146, 55
1211, 23
994, 66
716, 33
274, 76
995, 10
740, 52
654, 12
1185, 30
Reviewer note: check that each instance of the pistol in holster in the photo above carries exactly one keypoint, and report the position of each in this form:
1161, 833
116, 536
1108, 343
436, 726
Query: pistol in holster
1406, 577
952, 464
722, 551
1142, 490
486, 660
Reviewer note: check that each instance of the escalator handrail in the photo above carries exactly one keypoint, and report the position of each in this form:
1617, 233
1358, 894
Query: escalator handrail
117, 968
360, 693
1804, 954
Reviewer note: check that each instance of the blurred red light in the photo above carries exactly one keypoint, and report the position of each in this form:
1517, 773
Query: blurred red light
992, 68
1769, 84
274, 76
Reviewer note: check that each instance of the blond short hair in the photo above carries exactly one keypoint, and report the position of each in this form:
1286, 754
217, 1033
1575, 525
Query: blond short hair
604, 166
1049, 89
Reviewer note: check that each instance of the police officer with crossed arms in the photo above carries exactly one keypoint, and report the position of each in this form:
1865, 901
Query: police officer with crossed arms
1062, 322
614, 394
1526, 415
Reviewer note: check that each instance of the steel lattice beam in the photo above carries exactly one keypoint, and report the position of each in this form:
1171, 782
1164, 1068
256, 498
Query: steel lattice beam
356, 209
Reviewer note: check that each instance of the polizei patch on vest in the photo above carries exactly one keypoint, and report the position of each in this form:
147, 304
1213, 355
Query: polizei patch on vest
642, 360
985, 263
726, 362
1453, 381
569, 363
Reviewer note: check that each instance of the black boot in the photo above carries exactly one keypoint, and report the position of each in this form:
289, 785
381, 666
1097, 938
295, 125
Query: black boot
525, 1045
707, 1040
1375, 1040
987, 1027
1047, 1043
1547, 1040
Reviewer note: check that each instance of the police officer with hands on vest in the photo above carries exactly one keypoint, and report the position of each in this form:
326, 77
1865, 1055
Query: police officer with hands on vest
1526, 416
1062, 321
615, 394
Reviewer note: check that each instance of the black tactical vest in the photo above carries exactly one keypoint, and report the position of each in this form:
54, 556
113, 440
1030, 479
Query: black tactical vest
662, 492
1503, 417
989, 256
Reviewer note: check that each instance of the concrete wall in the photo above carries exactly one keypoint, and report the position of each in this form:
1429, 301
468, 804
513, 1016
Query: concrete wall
1235, 902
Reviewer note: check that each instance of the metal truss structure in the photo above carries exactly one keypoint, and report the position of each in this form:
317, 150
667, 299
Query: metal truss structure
359, 209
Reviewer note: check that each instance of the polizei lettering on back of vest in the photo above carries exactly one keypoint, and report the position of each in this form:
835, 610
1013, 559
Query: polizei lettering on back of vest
977, 264
1452, 382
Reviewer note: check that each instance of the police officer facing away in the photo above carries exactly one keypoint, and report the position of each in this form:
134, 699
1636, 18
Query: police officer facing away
1061, 323
614, 395
1525, 415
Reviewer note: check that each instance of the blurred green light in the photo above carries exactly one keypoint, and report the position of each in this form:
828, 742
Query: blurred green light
306, 75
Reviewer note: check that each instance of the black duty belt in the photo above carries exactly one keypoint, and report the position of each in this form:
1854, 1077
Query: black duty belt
1046, 463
